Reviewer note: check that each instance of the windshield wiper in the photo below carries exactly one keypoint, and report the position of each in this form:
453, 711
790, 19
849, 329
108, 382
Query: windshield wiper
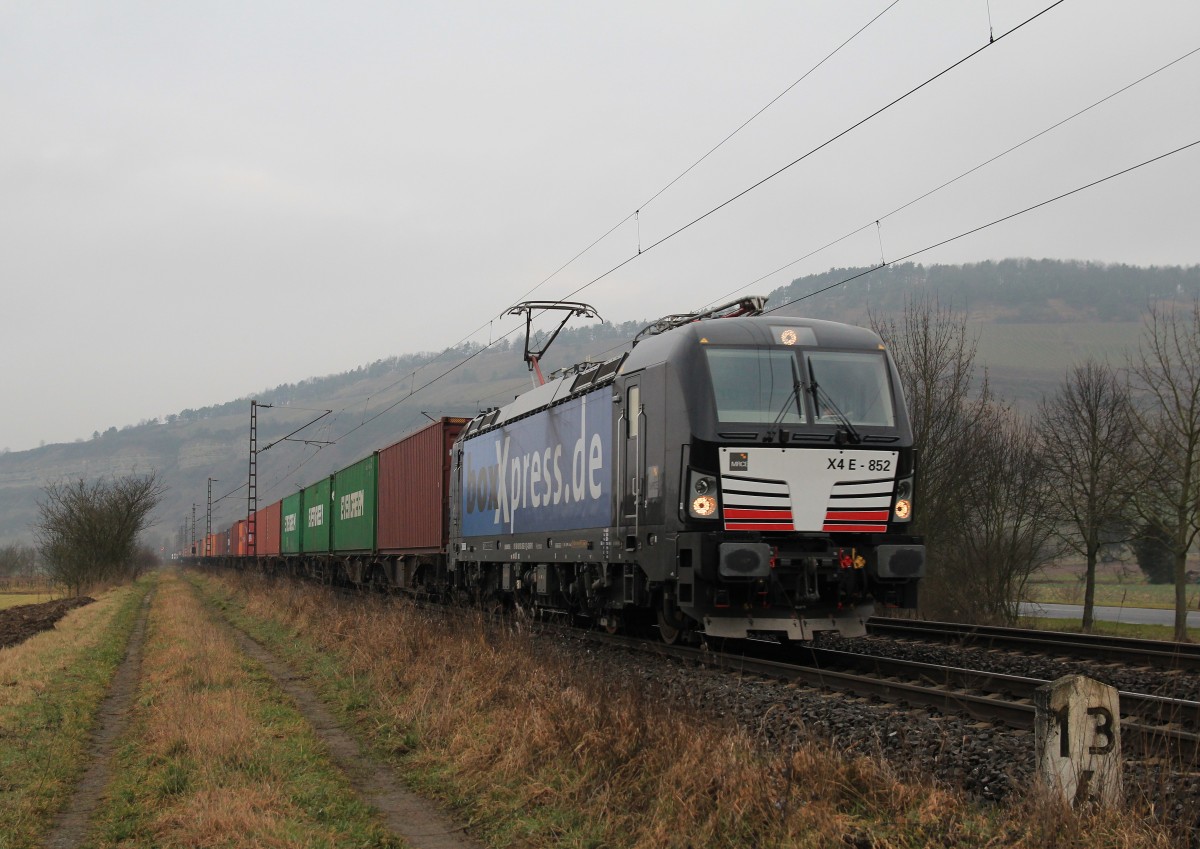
846, 432
793, 395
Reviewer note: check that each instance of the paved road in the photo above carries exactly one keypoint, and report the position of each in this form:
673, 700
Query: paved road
1133, 615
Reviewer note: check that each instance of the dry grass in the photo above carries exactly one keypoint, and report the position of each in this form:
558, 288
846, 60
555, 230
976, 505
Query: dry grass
25, 584
1112, 594
1103, 628
8, 600
215, 755
28, 669
1118, 584
541, 753
50, 689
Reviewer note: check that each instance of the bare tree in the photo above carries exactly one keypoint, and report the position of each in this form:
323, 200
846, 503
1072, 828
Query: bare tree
1087, 431
88, 531
1007, 532
1153, 551
144, 559
18, 561
935, 355
1167, 372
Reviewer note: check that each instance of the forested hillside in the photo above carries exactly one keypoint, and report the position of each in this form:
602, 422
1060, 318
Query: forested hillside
1008, 292
1034, 319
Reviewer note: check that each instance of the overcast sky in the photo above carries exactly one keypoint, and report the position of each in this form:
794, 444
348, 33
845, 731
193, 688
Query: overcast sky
201, 200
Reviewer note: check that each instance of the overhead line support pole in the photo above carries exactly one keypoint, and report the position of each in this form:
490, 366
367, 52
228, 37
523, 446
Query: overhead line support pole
208, 521
252, 476
252, 480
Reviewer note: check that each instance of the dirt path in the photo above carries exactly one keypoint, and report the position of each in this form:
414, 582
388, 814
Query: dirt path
71, 826
415, 819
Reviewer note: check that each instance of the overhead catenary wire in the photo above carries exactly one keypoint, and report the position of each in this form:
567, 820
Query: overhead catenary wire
814, 150
961, 176
842, 282
962, 235
411, 376
385, 410
428, 383
641, 251
746, 123
992, 223
876, 222
407, 375
232, 492
635, 215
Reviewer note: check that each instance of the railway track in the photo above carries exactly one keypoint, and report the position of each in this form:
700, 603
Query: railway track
1153, 653
1152, 726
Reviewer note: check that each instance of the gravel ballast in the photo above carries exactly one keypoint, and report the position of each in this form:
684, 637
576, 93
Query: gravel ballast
986, 760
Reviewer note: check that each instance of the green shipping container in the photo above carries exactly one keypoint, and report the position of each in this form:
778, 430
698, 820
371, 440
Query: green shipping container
353, 506
289, 537
315, 518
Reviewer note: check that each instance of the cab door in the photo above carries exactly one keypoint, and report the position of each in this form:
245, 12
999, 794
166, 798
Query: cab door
632, 435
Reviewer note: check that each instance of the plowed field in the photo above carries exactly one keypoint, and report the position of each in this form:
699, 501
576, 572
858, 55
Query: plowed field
18, 624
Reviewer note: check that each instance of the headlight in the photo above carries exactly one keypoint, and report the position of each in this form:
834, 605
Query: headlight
704, 506
902, 509
702, 495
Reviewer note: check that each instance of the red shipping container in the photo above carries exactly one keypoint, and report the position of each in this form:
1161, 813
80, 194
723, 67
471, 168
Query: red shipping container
237, 538
266, 529
414, 490
220, 543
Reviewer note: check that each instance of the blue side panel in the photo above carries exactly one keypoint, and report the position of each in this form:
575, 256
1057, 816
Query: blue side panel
549, 472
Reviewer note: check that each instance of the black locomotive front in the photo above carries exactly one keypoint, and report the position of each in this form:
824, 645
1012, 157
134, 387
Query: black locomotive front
739, 477
799, 484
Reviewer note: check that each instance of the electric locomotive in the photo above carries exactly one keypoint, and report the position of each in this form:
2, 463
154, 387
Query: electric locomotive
734, 475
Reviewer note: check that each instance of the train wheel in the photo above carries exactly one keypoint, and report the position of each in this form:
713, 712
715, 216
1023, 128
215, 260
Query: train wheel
668, 632
673, 626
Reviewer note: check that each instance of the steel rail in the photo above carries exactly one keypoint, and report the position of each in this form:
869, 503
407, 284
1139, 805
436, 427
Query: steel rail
1154, 708
1161, 654
977, 694
982, 695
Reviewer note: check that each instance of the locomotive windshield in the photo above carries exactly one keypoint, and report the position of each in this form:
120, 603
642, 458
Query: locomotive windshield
755, 384
855, 385
790, 386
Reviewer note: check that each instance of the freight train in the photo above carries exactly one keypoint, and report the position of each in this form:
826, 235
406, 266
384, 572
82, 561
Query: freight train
733, 475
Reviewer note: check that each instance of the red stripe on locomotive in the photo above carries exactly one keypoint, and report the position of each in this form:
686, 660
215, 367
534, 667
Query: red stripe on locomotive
740, 513
759, 526
856, 516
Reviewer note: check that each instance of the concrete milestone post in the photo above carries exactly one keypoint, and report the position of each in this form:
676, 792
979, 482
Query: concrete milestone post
1077, 731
